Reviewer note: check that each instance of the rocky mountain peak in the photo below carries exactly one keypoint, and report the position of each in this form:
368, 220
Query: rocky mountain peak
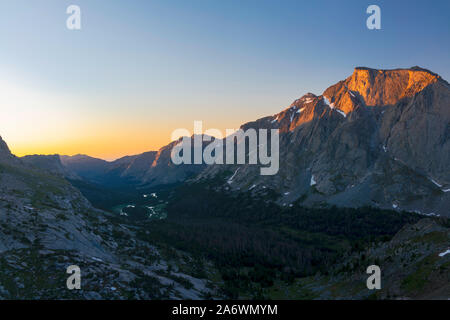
366, 87
5, 153
377, 87
300, 111
378, 138
4, 147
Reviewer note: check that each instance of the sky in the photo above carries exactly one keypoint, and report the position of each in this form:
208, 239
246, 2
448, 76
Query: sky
137, 70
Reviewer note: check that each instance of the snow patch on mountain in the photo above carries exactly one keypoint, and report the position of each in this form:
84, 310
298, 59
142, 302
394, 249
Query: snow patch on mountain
292, 116
444, 253
342, 113
436, 183
333, 107
230, 180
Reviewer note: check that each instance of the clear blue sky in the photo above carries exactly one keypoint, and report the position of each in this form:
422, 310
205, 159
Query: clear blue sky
144, 68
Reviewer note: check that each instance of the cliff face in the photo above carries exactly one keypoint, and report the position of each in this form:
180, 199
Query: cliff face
5, 153
380, 137
377, 88
4, 147
417, 132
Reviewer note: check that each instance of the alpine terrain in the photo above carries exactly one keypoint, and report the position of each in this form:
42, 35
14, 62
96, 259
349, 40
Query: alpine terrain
364, 179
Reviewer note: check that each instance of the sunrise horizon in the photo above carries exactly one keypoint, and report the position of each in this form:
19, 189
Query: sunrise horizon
225, 158
161, 66
138, 146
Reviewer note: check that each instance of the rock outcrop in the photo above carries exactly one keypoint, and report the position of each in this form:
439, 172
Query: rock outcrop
50, 163
414, 265
5, 153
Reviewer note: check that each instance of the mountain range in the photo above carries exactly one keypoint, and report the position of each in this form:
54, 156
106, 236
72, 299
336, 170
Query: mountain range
378, 138
374, 141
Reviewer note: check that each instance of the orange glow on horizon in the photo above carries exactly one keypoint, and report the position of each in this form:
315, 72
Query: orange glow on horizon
107, 148
37, 121
103, 144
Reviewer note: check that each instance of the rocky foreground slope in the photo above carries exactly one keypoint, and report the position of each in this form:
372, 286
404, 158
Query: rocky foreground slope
46, 225
415, 264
